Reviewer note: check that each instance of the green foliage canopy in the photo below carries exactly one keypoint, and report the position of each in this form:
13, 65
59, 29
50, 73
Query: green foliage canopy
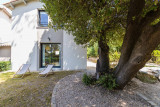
87, 20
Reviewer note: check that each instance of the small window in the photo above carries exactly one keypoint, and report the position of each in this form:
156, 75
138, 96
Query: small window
43, 18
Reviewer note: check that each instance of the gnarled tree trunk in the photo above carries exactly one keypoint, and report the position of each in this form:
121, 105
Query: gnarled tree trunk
140, 40
103, 61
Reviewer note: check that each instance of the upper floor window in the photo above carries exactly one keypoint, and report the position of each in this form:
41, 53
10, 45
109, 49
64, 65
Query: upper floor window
43, 18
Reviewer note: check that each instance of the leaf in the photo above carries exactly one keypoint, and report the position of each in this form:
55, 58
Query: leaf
116, 1
156, 2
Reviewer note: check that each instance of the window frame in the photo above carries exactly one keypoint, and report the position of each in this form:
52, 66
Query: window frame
41, 44
39, 18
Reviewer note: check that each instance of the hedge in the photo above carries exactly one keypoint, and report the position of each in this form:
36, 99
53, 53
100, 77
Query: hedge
4, 65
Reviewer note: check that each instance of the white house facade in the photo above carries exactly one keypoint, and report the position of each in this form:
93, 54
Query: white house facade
5, 34
36, 44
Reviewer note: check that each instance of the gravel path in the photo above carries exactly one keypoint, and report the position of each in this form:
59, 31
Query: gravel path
71, 92
150, 91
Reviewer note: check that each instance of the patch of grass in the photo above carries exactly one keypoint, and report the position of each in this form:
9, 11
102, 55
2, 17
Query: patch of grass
5, 76
30, 91
146, 78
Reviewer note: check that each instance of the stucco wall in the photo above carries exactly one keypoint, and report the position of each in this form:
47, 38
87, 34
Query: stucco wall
5, 51
55, 37
74, 56
44, 34
5, 27
25, 45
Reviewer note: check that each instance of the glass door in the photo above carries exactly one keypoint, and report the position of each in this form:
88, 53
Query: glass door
51, 54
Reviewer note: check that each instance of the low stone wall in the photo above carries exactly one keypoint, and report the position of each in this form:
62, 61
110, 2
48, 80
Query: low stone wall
5, 58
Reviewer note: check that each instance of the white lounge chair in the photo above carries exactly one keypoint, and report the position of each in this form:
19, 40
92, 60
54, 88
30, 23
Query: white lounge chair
22, 70
46, 70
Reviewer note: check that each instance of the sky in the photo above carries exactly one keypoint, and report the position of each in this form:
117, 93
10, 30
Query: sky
4, 1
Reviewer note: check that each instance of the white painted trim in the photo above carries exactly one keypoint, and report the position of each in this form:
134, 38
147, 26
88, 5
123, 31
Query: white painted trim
11, 5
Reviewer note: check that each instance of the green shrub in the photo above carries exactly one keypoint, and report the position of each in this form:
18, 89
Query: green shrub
108, 81
5, 65
114, 56
156, 56
88, 80
92, 51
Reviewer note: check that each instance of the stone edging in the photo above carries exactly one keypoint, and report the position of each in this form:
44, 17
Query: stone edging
147, 99
53, 99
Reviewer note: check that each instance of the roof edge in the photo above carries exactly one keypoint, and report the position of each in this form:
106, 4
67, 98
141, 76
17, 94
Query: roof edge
6, 12
11, 4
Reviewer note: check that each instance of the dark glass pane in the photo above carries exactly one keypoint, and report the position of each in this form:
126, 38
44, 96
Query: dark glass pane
46, 54
56, 54
51, 54
43, 18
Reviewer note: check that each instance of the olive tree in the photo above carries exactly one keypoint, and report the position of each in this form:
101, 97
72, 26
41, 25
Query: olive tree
92, 21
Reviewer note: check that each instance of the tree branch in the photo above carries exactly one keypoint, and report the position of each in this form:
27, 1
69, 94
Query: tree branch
135, 10
157, 26
151, 16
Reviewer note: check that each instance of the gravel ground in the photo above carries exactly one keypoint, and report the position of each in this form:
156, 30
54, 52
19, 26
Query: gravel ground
151, 91
71, 92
